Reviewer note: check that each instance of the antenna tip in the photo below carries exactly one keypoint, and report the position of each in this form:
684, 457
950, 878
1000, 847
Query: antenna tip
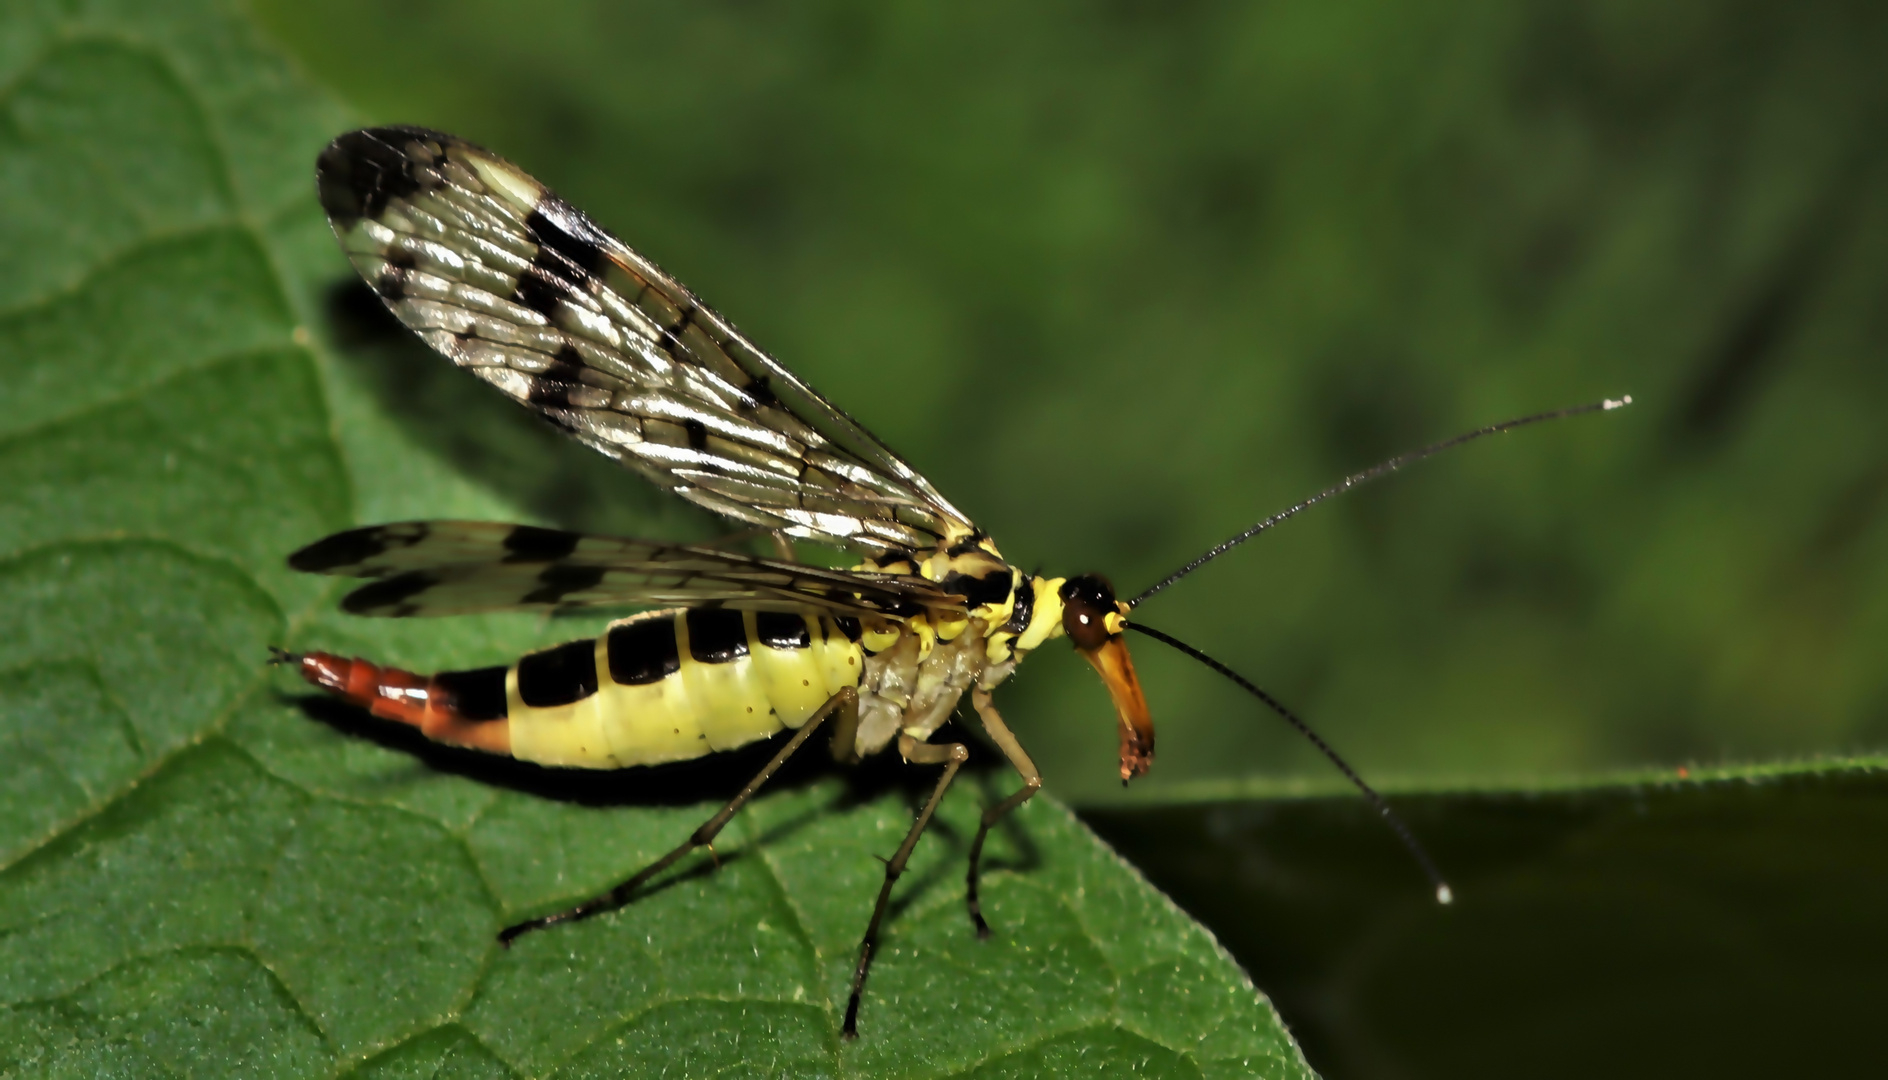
1444, 895
1610, 404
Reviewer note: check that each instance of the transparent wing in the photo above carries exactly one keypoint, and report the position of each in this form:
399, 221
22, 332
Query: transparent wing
460, 567
513, 283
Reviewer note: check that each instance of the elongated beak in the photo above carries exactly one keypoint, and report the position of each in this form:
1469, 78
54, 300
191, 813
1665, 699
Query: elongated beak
1110, 658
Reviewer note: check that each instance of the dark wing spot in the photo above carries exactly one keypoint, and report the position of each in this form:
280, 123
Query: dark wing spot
560, 252
352, 548
560, 580
360, 172
540, 291
552, 395
566, 366
760, 395
697, 433
558, 676
643, 651
560, 372
716, 635
391, 595
391, 282
782, 630
528, 543
990, 589
1025, 607
475, 695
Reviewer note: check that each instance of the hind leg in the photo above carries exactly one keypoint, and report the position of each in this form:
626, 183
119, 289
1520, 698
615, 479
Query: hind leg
846, 701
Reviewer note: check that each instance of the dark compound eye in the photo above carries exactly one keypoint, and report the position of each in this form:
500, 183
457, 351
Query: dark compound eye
1087, 601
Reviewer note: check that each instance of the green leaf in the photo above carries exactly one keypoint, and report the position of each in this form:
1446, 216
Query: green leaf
199, 876
1726, 926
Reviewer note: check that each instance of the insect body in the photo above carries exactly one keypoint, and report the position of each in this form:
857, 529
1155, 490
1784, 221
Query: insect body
510, 282
676, 684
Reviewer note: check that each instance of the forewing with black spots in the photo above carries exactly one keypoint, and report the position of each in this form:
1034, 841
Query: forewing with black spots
509, 281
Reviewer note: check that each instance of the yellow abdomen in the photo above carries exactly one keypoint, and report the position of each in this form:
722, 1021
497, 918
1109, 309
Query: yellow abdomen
673, 685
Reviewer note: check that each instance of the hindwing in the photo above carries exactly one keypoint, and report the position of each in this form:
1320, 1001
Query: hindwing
461, 567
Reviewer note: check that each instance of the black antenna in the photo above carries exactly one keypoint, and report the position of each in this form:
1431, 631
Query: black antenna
1372, 473
1443, 894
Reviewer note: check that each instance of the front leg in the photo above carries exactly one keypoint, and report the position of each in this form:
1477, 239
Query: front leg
1032, 783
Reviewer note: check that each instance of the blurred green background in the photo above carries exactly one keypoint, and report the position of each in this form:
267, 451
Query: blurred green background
1123, 278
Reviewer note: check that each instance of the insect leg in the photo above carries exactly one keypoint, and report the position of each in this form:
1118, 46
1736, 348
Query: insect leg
952, 756
845, 740
846, 701
1032, 783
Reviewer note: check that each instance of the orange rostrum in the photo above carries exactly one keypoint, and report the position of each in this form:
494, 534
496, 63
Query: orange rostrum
1137, 727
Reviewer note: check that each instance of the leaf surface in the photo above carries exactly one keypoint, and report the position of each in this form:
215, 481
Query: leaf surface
1724, 925
205, 871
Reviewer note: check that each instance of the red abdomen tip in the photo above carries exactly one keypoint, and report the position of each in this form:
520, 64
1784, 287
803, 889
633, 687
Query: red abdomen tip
389, 693
396, 694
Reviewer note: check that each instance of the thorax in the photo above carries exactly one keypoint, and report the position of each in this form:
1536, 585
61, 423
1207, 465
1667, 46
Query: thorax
918, 665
